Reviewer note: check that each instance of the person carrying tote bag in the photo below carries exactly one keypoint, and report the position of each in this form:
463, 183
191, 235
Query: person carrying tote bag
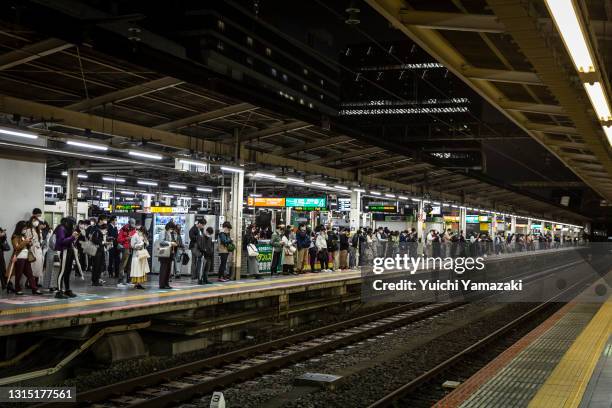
21, 260
140, 257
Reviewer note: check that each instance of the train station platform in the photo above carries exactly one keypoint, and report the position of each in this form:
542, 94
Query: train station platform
28, 313
565, 362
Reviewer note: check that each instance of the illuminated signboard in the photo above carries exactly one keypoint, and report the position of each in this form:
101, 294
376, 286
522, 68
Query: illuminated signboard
471, 219
344, 204
483, 218
125, 207
266, 202
306, 202
381, 208
181, 210
451, 218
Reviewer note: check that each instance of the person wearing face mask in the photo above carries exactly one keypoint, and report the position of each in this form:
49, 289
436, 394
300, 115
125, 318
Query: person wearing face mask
64, 241
224, 248
21, 264
34, 235
124, 239
277, 248
208, 249
113, 252
98, 236
303, 243
140, 257
167, 239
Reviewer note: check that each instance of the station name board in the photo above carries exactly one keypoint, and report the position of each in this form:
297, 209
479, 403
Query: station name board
266, 201
166, 210
125, 207
381, 208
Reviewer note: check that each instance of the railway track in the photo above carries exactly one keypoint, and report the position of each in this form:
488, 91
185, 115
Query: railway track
400, 396
182, 383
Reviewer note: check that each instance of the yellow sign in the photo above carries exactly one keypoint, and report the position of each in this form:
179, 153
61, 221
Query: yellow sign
451, 218
266, 202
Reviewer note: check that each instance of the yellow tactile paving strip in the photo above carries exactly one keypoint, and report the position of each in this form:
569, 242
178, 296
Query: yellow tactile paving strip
216, 290
565, 386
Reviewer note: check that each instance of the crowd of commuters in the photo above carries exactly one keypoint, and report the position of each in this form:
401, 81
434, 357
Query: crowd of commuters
97, 246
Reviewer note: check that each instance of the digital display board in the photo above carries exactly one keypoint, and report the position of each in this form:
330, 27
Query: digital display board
306, 202
344, 204
381, 208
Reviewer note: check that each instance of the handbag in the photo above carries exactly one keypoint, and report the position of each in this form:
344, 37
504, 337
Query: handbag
89, 248
31, 256
142, 254
290, 250
252, 250
162, 251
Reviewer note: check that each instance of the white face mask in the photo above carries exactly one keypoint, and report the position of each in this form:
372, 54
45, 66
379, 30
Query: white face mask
35, 223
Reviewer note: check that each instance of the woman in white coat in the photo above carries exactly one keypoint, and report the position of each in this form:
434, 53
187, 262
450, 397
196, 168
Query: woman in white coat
140, 257
35, 235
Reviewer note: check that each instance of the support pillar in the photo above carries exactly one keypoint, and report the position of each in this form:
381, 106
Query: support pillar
236, 219
528, 225
462, 220
72, 193
493, 230
355, 214
287, 216
542, 230
513, 224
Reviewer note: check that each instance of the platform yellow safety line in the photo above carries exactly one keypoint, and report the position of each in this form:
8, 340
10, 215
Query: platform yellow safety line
567, 383
45, 308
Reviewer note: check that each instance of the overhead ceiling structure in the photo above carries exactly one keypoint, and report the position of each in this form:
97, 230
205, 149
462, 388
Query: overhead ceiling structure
75, 91
511, 54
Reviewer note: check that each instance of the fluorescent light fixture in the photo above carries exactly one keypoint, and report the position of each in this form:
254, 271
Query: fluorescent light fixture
168, 196
82, 188
232, 169
87, 145
146, 183
79, 175
608, 132
454, 206
178, 186
18, 134
468, 208
265, 175
114, 179
359, 190
426, 201
402, 197
566, 19
104, 190
598, 100
376, 193
255, 195
445, 204
148, 195
390, 195
295, 180
145, 155
436, 203
318, 183
341, 187
193, 163
127, 192
204, 189
52, 185
416, 200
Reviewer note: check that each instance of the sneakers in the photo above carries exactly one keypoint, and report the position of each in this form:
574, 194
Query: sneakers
70, 294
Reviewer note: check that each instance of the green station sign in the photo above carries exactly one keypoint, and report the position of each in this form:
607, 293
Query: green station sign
306, 202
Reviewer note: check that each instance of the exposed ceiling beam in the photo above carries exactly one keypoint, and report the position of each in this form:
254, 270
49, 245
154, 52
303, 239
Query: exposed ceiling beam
275, 130
351, 155
482, 23
125, 94
531, 107
547, 128
549, 184
375, 163
500, 75
313, 145
32, 52
207, 116
399, 170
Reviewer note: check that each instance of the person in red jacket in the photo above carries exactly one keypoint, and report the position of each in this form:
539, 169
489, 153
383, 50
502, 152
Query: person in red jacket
124, 238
